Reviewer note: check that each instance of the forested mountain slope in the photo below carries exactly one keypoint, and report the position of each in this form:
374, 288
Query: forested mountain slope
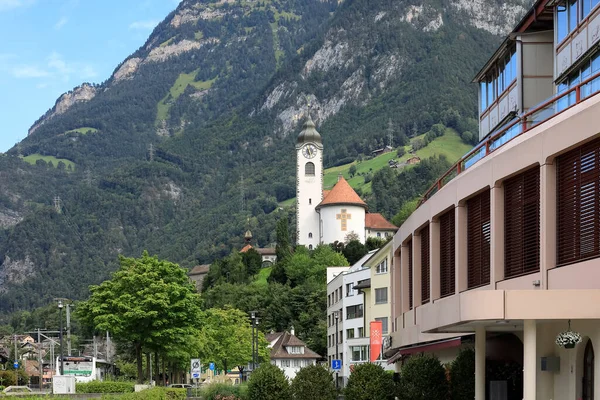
193, 134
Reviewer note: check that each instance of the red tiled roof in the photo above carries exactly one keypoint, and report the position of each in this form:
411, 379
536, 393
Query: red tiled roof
342, 193
325, 193
267, 251
378, 222
246, 248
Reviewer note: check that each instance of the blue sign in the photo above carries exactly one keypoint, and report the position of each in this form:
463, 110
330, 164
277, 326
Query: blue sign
211, 366
16, 364
336, 364
195, 375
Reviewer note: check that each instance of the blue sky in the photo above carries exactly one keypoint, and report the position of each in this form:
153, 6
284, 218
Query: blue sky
50, 46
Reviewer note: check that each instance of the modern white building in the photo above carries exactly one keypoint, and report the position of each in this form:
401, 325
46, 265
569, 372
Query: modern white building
324, 217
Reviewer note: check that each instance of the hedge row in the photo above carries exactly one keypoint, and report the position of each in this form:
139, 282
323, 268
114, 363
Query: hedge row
105, 387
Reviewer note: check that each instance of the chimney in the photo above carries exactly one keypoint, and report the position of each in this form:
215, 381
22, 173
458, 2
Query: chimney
292, 331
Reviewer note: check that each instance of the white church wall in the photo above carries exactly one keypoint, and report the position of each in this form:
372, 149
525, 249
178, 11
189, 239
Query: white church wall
332, 223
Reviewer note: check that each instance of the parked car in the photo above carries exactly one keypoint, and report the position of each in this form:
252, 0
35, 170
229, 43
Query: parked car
180, 386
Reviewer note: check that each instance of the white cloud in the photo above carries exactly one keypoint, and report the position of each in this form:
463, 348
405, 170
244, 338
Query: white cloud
61, 22
64, 69
29, 71
143, 25
6, 5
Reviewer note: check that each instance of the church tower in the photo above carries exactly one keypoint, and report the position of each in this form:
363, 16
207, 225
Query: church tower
309, 184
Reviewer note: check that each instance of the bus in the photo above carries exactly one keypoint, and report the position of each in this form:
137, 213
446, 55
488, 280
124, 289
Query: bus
83, 368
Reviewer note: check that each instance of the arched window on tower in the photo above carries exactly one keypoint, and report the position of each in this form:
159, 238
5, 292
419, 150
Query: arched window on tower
309, 168
310, 235
310, 247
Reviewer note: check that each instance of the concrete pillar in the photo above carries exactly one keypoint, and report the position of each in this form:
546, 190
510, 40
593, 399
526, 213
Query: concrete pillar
434, 262
460, 248
529, 359
547, 221
497, 235
396, 288
480, 363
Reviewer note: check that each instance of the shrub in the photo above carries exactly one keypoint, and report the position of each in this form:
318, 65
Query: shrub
462, 376
157, 393
2, 388
423, 378
268, 382
105, 387
224, 391
314, 382
370, 381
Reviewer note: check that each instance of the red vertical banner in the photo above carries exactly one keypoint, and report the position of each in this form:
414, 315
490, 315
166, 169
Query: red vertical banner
376, 339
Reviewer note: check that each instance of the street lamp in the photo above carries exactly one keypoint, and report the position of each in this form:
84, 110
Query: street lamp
60, 308
252, 317
337, 317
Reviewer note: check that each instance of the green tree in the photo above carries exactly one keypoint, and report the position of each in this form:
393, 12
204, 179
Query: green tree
226, 338
283, 247
423, 378
352, 170
354, 251
370, 381
462, 375
314, 382
407, 209
253, 262
149, 303
268, 382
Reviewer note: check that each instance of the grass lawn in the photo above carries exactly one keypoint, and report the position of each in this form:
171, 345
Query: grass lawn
32, 158
177, 90
450, 145
263, 275
83, 131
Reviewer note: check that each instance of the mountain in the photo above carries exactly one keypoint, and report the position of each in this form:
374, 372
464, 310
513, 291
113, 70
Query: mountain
190, 141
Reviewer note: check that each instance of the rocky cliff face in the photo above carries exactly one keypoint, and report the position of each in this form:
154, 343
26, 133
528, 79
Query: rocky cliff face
80, 94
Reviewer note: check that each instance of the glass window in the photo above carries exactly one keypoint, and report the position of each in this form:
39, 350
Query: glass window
490, 91
572, 15
595, 3
285, 363
349, 289
483, 95
350, 333
586, 8
296, 363
361, 332
382, 268
384, 325
562, 27
381, 295
359, 353
354, 311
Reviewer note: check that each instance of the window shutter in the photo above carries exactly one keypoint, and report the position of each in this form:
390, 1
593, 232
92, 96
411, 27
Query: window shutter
447, 254
478, 240
578, 204
425, 275
522, 224
410, 274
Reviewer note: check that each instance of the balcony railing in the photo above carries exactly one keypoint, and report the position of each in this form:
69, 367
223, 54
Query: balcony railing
518, 126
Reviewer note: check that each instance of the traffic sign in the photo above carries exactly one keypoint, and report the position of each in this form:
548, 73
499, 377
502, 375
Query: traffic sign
196, 367
16, 364
211, 366
336, 364
195, 375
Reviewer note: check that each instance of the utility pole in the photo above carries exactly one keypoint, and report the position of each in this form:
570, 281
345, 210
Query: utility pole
68, 329
40, 360
57, 206
151, 152
62, 364
337, 378
16, 364
253, 317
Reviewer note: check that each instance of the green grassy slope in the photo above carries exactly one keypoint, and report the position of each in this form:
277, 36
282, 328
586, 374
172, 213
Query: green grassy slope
449, 145
32, 158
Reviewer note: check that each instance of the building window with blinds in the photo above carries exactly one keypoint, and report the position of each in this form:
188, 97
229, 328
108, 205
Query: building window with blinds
478, 240
425, 276
578, 203
381, 295
410, 274
447, 254
522, 224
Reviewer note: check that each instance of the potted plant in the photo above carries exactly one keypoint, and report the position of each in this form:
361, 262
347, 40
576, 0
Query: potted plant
568, 339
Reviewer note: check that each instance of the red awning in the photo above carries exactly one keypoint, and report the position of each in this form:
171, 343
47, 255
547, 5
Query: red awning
427, 347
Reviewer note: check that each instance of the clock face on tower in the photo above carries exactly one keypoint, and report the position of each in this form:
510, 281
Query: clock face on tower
309, 151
